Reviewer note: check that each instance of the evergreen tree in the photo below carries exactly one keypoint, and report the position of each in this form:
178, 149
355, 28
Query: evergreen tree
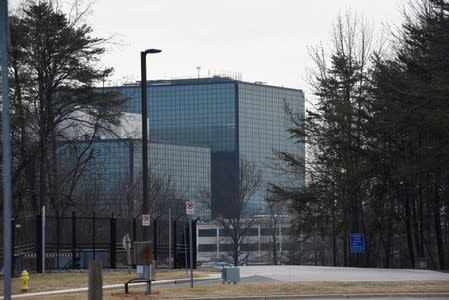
331, 204
379, 140
412, 115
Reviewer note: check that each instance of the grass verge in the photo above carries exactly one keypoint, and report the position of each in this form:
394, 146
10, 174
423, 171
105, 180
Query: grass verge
216, 290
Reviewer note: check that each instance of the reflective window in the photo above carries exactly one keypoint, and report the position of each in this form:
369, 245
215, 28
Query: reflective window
225, 247
207, 232
267, 231
252, 232
266, 246
249, 247
207, 248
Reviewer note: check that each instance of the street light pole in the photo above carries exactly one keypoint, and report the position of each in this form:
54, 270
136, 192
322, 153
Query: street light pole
6, 151
143, 85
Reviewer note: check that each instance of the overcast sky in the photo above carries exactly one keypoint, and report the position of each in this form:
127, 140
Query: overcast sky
262, 40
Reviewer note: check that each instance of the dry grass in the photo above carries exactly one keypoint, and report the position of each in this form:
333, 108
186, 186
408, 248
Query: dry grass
212, 291
288, 288
68, 280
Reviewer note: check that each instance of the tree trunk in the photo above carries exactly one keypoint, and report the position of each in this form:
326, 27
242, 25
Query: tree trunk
334, 238
235, 258
275, 250
420, 221
387, 244
409, 233
437, 223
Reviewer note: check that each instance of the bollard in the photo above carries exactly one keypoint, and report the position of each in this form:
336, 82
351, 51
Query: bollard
148, 276
95, 281
25, 277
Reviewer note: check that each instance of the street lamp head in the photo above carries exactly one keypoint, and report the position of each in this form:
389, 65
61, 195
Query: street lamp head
152, 51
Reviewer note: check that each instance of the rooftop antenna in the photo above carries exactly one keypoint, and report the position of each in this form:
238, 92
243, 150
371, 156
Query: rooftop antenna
198, 68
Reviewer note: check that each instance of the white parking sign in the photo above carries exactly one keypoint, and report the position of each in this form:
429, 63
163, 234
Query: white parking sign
189, 207
146, 220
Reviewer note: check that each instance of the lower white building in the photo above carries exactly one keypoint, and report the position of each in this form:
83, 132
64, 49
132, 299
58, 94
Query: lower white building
257, 247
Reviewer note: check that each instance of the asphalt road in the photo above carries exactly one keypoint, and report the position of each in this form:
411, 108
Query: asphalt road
314, 273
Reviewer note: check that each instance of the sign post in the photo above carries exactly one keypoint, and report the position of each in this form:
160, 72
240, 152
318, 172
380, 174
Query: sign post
190, 207
146, 222
43, 240
169, 239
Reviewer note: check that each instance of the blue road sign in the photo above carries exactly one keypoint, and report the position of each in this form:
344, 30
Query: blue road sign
357, 242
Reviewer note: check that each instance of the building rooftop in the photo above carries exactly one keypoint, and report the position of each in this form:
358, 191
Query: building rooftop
202, 80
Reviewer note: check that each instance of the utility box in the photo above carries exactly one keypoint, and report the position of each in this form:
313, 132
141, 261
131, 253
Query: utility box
230, 274
143, 253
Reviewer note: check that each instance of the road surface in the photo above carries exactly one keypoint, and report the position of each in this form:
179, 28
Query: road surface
314, 273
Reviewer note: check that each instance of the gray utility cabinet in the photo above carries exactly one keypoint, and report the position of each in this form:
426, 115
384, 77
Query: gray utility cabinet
230, 274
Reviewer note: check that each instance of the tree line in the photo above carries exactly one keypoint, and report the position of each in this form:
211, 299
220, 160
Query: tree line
53, 70
377, 138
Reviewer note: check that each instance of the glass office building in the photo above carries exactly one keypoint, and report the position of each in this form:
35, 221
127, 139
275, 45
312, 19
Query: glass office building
234, 119
112, 177
262, 131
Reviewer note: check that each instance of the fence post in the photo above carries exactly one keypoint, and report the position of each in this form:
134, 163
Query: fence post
58, 241
194, 241
93, 234
73, 240
134, 229
113, 242
134, 239
13, 241
38, 243
175, 255
155, 240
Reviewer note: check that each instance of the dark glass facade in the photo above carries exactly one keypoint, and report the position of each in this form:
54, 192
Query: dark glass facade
203, 114
113, 176
188, 170
262, 131
235, 119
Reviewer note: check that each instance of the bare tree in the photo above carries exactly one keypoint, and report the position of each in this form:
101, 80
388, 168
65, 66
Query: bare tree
235, 226
54, 67
276, 208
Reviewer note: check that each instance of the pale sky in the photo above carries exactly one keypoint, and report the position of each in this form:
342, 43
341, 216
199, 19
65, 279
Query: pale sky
262, 40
